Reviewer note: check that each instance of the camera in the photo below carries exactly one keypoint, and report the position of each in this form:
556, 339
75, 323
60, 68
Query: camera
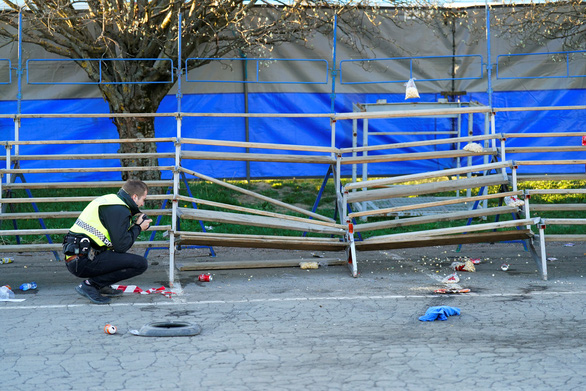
84, 246
144, 218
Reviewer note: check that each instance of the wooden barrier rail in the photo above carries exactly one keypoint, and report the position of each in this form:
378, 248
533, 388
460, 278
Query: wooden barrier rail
79, 185
258, 221
329, 223
93, 156
423, 205
258, 157
549, 149
443, 240
261, 241
47, 247
412, 144
65, 214
547, 208
435, 218
400, 157
310, 222
61, 231
88, 169
426, 188
14, 170
66, 199
423, 235
541, 207
550, 177
256, 145
427, 175
256, 195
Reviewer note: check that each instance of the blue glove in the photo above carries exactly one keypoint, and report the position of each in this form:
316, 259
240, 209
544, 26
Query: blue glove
441, 313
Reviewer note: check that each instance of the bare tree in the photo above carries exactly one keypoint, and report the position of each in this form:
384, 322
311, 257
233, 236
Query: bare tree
520, 22
141, 29
543, 21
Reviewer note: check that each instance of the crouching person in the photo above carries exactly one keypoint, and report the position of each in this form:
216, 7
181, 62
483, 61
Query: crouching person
96, 246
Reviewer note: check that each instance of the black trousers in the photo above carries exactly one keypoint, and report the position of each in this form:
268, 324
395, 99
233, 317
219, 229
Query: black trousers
108, 267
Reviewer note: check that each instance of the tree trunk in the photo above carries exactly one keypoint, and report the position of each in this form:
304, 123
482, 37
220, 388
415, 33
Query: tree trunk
137, 127
136, 99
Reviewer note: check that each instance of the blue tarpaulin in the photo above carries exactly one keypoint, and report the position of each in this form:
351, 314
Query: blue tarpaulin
304, 131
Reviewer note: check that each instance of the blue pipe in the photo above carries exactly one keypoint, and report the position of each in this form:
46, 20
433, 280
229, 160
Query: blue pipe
179, 70
333, 96
19, 71
488, 58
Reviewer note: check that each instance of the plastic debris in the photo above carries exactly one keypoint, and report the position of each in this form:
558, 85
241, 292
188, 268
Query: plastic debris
451, 279
473, 147
467, 266
440, 312
552, 259
514, 201
451, 290
135, 289
411, 90
308, 265
28, 285
505, 267
6, 293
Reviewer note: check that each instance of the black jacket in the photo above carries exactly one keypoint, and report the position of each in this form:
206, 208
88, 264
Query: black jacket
117, 219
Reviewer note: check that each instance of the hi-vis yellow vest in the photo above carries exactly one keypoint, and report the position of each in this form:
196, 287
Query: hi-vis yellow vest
89, 223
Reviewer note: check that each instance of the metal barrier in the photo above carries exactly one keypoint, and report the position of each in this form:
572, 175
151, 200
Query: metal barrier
258, 63
544, 62
101, 62
329, 156
5, 69
472, 61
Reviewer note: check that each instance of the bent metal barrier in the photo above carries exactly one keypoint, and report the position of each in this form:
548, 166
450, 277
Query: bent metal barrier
327, 233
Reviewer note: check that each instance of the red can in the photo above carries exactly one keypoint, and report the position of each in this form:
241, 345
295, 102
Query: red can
204, 277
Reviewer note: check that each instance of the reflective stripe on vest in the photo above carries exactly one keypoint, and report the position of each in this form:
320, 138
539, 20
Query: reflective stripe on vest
89, 223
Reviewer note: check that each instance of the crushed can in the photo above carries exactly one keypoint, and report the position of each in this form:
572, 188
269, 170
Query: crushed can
6, 260
204, 277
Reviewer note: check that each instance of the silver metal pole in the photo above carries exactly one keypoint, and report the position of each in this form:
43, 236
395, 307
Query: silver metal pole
174, 201
365, 154
488, 58
19, 72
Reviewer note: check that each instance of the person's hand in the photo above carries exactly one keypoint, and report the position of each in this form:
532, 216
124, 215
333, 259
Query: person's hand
144, 222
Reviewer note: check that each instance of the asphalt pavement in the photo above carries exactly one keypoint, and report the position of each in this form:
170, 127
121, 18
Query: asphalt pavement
316, 329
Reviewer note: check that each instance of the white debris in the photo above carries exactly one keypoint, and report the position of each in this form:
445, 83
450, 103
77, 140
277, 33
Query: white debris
473, 147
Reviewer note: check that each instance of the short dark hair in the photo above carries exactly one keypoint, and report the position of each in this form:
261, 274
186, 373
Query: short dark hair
135, 187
